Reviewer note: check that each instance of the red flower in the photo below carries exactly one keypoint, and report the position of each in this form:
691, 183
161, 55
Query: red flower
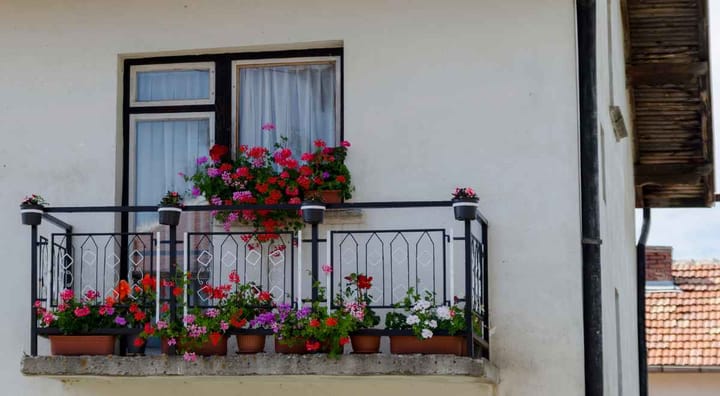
234, 277
284, 174
262, 187
148, 282
138, 342
225, 167
264, 296
123, 289
140, 316
314, 323
275, 194
345, 143
320, 143
305, 170
215, 338
133, 308
177, 291
257, 152
344, 340
292, 191
291, 163
364, 282
164, 307
148, 329
109, 301
243, 172
312, 346
218, 151
331, 322
341, 179
306, 157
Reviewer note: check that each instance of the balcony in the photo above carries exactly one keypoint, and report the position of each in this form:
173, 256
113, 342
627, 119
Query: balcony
399, 244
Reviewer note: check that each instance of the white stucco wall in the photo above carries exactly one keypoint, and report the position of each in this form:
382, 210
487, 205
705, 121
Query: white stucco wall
617, 203
684, 384
437, 94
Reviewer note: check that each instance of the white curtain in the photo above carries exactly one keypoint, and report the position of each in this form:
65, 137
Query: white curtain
299, 100
173, 85
164, 148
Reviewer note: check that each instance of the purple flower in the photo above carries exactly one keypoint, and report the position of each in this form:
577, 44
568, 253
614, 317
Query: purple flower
325, 175
262, 320
171, 342
213, 172
216, 201
120, 321
189, 319
201, 160
212, 313
303, 312
195, 191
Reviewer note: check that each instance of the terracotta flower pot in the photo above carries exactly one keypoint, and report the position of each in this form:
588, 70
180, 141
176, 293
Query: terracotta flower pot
365, 343
250, 343
451, 345
72, 345
206, 349
326, 196
297, 346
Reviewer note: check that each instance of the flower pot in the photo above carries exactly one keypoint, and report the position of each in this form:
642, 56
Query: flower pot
465, 208
204, 349
296, 346
169, 215
73, 345
250, 343
133, 350
31, 214
365, 343
326, 196
451, 345
313, 212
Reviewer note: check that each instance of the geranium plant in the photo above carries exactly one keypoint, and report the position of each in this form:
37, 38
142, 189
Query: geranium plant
355, 300
137, 304
327, 168
423, 317
245, 303
256, 176
172, 199
464, 193
33, 200
81, 315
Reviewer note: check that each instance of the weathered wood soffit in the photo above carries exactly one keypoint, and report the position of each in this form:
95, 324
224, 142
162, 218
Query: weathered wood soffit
668, 78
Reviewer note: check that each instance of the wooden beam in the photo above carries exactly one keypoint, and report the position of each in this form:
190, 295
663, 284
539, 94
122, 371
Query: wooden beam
670, 174
666, 73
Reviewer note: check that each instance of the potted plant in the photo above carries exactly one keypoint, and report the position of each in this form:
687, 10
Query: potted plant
355, 301
256, 176
76, 318
31, 209
327, 332
313, 210
465, 203
139, 308
329, 176
243, 306
170, 209
288, 324
424, 319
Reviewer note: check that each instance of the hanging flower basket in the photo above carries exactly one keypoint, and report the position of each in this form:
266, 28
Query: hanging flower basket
169, 215
465, 203
75, 345
31, 209
313, 212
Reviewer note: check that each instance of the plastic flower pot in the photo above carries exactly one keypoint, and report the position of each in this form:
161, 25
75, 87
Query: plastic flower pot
74, 345
169, 215
250, 343
447, 345
465, 208
313, 212
362, 343
327, 196
131, 348
31, 214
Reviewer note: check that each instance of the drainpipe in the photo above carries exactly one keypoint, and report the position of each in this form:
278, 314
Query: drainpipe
642, 347
592, 286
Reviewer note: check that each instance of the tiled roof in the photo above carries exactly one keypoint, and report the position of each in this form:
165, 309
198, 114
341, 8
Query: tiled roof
683, 326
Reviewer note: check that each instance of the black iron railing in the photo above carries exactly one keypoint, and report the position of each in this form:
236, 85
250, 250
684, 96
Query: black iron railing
452, 267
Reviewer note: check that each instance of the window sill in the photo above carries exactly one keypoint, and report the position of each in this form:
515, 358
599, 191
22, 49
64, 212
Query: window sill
261, 364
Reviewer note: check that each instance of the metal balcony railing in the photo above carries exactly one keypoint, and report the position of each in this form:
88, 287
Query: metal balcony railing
451, 265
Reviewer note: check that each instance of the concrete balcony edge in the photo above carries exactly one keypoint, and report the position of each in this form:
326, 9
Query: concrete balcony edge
261, 365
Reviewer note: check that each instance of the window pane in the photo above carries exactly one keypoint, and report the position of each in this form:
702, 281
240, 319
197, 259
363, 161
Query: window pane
173, 85
164, 148
299, 100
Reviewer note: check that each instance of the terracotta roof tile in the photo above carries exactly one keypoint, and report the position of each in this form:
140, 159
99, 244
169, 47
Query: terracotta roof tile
683, 327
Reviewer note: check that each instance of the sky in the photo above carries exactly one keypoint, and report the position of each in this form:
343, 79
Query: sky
694, 233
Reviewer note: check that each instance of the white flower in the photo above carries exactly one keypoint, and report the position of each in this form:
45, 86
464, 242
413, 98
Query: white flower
426, 333
443, 312
432, 324
412, 320
421, 305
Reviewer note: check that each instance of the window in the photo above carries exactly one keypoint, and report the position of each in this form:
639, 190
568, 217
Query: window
176, 108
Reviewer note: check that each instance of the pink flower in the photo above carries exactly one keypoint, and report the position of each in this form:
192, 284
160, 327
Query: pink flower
161, 324
224, 325
81, 311
67, 295
327, 269
189, 319
38, 304
171, 342
189, 357
295, 201
345, 143
216, 201
212, 313
268, 126
48, 318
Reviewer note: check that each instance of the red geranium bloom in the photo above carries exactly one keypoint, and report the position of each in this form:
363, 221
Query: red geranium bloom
123, 289
133, 308
330, 322
344, 340
138, 342
262, 187
177, 291
109, 301
225, 167
264, 296
215, 338
364, 282
312, 346
320, 143
139, 316
148, 282
305, 170
218, 151
234, 277
164, 307
341, 179
314, 323
148, 329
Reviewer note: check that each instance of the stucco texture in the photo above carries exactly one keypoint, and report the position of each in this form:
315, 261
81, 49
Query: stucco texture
684, 384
